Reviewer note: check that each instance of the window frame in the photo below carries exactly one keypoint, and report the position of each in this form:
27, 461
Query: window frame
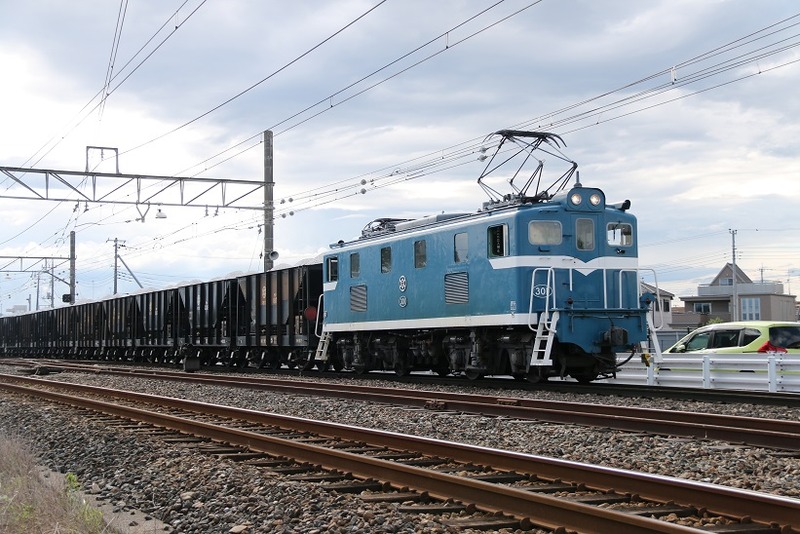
332, 268
581, 235
751, 309
420, 254
625, 239
386, 259
492, 240
460, 248
548, 235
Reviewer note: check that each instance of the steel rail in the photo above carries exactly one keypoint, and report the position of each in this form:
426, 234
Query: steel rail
775, 433
716, 499
532, 508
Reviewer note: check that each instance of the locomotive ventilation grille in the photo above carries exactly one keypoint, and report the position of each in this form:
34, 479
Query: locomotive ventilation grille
358, 298
456, 288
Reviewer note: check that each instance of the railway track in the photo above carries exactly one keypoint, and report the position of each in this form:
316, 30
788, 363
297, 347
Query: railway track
771, 433
787, 399
516, 489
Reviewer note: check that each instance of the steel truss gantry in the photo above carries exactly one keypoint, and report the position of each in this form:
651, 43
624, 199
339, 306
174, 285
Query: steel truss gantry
129, 189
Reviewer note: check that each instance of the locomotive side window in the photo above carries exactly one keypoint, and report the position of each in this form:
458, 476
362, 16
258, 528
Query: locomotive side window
420, 254
333, 269
460, 248
386, 259
620, 234
355, 265
584, 234
545, 232
497, 240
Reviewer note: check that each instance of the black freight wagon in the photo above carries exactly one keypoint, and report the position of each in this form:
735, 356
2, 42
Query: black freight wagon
262, 319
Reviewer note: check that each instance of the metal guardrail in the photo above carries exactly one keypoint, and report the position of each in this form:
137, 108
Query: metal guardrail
773, 372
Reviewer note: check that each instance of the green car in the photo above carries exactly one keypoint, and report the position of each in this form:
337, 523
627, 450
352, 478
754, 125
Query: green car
741, 337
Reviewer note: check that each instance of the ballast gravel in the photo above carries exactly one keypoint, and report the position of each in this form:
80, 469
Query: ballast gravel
195, 493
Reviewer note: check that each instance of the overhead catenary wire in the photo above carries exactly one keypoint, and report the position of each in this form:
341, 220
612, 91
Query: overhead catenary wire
328, 196
88, 109
389, 179
123, 9
105, 92
256, 84
423, 167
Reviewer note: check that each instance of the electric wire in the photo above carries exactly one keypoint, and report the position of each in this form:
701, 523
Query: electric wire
397, 179
86, 111
123, 9
256, 84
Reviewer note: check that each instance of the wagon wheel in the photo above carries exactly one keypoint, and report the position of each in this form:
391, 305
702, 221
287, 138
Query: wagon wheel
401, 369
308, 364
442, 370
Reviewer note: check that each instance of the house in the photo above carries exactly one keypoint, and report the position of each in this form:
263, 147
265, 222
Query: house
731, 296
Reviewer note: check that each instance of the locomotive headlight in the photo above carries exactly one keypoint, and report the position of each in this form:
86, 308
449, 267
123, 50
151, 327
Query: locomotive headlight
575, 198
595, 199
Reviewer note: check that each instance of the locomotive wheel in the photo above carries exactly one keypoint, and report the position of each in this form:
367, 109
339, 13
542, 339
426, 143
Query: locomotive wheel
584, 378
359, 369
534, 376
473, 374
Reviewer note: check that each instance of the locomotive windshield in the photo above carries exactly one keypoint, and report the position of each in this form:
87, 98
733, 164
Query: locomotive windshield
545, 232
620, 234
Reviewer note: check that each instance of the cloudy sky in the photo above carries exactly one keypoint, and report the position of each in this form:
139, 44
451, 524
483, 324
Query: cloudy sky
687, 108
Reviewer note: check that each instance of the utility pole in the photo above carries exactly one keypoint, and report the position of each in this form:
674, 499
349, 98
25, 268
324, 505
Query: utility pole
117, 258
269, 208
117, 243
52, 286
735, 297
72, 267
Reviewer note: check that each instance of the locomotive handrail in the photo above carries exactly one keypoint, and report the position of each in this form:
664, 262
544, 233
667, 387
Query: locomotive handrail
639, 293
658, 300
317, 330
550, 293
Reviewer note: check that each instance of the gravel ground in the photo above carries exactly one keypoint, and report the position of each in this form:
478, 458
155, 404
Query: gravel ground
195, 493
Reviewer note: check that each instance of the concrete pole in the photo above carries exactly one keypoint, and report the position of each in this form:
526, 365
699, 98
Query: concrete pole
52, 284
72, 267
269, 207
735, 296
116, 259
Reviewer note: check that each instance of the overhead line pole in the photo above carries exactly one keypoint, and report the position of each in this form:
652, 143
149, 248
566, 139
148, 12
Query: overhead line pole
116, 259
269, 207
735, 296
71, 267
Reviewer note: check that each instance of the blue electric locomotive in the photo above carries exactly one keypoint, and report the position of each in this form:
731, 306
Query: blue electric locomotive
537, 285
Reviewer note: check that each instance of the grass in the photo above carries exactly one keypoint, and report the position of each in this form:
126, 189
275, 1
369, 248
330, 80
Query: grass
32, 503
